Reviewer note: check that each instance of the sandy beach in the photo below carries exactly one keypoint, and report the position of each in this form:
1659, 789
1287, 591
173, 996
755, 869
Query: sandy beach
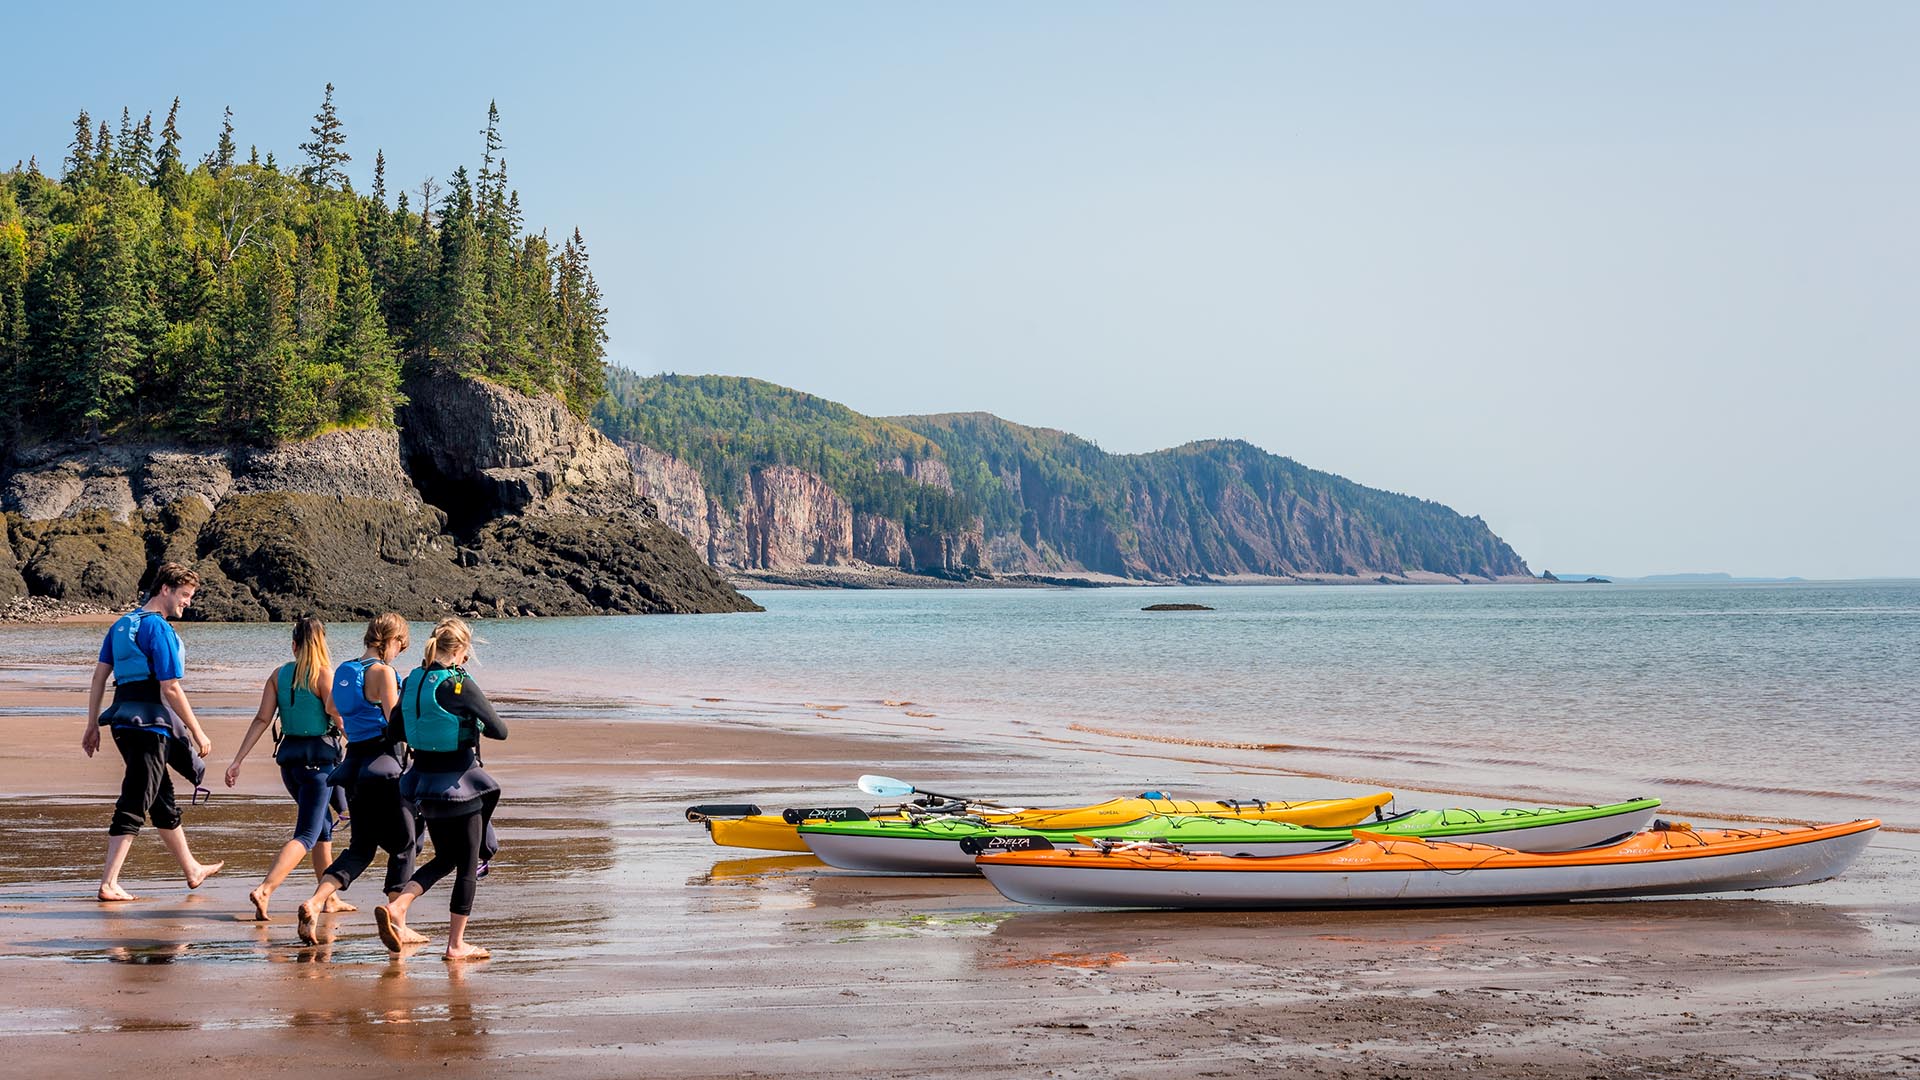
626, 944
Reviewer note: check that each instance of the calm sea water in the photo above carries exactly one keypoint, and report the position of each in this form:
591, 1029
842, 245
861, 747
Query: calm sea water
1794, 700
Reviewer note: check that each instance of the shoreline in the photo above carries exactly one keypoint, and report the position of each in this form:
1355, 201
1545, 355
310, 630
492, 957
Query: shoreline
884, 577
626, 943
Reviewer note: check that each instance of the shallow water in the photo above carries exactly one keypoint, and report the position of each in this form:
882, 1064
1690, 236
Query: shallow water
1793, 701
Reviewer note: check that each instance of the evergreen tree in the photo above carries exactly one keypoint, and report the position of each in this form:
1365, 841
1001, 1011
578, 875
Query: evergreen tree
223, 151
166, 160
327, 152
359, 348
80, 150
122, 162
231, 302
116, 323
380, 177
139, 153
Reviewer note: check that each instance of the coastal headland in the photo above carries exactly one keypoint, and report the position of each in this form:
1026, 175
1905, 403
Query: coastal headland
626, 944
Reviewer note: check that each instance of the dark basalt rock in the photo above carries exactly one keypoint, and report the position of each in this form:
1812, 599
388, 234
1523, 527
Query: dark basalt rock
527, 511
1176, 607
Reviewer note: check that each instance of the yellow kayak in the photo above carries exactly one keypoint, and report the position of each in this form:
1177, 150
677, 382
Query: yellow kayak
744, 826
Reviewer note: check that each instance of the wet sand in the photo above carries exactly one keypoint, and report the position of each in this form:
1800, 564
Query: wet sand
627, 945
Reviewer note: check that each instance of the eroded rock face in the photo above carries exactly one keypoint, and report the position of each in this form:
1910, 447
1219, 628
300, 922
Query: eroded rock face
338, 526
471, 442
786, 518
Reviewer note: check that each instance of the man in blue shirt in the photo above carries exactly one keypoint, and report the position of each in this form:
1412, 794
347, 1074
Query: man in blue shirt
142, 654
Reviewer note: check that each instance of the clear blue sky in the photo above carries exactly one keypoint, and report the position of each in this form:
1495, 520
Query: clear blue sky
1636, 283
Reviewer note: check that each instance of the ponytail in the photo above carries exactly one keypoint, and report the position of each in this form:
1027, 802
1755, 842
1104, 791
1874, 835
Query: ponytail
384, 628
310, 659
450, 636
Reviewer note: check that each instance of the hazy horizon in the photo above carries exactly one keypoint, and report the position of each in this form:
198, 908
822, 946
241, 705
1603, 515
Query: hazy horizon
1634, 285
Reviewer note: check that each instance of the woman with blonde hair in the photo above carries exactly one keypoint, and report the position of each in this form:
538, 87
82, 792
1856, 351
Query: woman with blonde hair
444, 714
366, 696
300, 694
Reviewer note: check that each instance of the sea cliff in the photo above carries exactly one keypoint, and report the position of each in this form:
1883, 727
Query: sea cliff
768, 482
484, 501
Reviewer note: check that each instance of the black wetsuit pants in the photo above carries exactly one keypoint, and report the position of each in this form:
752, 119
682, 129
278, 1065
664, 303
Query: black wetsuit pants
458, 844
378, 821
147, 790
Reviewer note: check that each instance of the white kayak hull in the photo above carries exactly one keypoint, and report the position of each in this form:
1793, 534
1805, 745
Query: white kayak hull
1163, 887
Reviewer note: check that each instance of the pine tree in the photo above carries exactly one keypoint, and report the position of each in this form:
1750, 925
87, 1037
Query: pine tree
103, 158
222, 157
358, 346
166, 160
139, 153
327, 152
122, 162
80, 150
116, 323
380, 177
585, 325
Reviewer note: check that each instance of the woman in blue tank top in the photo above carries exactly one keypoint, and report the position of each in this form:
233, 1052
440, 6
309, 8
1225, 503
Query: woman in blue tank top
300, 693
366, 696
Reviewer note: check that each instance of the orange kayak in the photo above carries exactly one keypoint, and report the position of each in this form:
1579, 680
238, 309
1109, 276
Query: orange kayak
1376, 870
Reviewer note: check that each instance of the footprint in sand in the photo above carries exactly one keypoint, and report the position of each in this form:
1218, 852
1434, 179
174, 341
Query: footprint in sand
825, 708
895, 704
922, 715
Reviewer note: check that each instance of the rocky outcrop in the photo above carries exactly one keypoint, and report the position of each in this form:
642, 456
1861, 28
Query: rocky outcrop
488, 502
12, 585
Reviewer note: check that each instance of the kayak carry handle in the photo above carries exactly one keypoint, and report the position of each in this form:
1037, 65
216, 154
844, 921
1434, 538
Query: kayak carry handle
714, 810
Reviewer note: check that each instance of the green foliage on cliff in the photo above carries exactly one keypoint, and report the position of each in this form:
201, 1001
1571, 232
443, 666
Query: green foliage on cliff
1214, 507
727, 427
236, 300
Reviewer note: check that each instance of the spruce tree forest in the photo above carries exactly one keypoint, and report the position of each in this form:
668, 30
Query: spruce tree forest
238, 299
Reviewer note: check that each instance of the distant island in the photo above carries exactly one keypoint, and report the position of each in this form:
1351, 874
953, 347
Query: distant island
776, 485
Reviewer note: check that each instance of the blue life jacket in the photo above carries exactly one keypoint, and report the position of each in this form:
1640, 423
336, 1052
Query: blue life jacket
363, 718
302, 713
430, 727
130, 662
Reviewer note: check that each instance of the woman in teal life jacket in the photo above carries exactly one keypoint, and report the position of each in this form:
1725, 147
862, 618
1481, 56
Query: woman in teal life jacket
300, 693
143, 656
366, 697
444, 714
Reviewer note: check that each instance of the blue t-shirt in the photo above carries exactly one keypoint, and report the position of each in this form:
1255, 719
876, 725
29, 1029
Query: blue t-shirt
142, 636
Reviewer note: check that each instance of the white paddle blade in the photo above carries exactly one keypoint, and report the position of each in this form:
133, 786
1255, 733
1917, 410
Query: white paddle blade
885, 787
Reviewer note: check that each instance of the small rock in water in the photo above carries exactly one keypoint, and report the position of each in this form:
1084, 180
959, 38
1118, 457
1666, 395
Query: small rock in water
1176, 607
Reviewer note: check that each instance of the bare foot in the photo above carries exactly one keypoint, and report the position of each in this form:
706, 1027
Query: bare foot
207, 870
335, 905
114, 894
389, 928
468, 951
410, 936
305, 916
259, 896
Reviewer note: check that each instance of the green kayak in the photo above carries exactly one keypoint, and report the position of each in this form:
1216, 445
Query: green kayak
925, 844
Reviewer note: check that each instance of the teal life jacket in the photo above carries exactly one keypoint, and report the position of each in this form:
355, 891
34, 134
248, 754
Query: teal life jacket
301, 711
430, 727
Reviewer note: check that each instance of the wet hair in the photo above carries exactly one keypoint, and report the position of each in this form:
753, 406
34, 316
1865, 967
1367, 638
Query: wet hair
450, 635
310, 660
173, 575
385, 627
